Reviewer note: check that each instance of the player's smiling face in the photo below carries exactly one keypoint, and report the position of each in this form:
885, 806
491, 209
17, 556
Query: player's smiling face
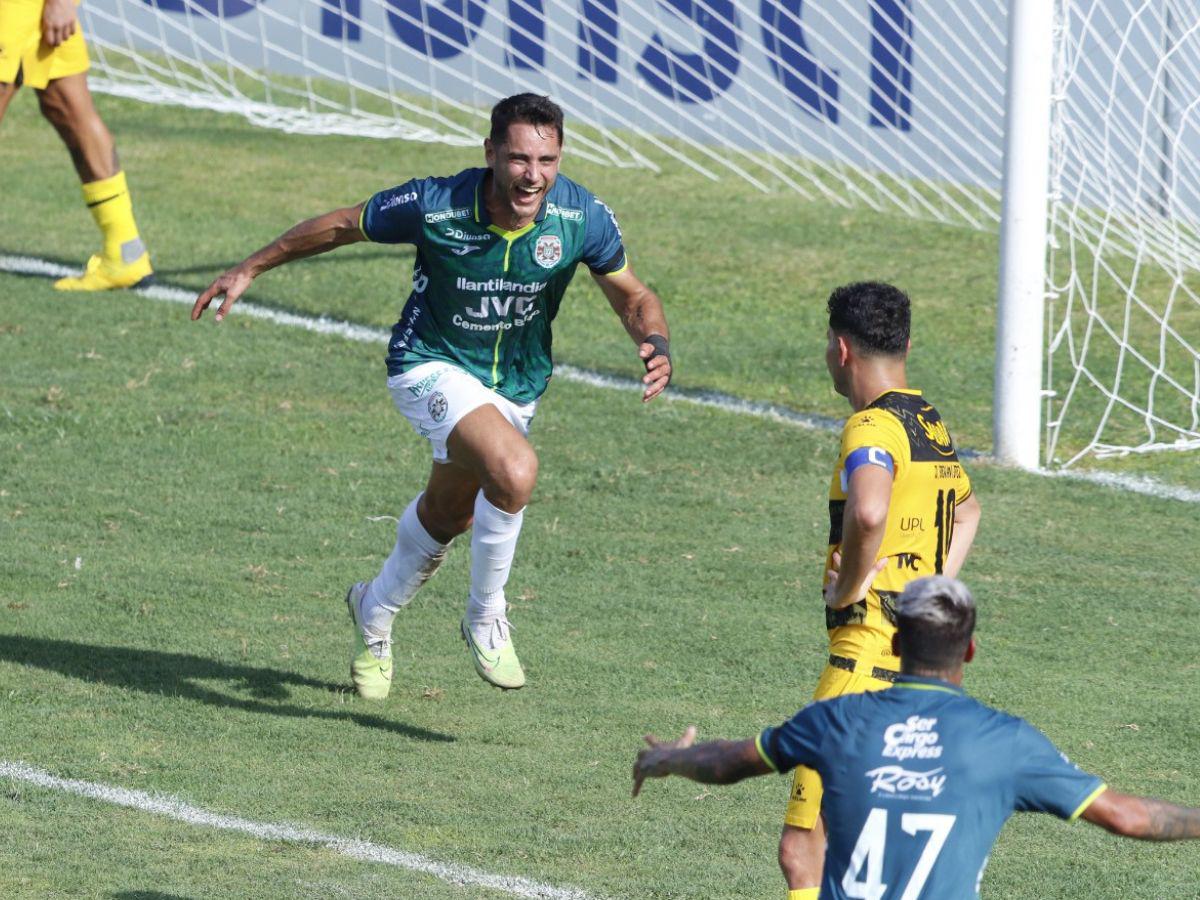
524, 168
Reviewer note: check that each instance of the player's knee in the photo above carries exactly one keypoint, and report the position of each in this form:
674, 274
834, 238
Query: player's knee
796, 857
72, 115
513, 479
55, 109
787, 853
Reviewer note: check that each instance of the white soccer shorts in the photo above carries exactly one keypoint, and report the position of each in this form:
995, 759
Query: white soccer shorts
435, 395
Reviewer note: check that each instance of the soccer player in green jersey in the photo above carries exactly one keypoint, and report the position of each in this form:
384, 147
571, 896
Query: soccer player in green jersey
470, 356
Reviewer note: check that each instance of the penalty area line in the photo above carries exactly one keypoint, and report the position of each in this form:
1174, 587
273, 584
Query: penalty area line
364, 334
363, 851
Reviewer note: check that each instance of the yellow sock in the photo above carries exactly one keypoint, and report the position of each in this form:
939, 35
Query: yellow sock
804, 894
108, 200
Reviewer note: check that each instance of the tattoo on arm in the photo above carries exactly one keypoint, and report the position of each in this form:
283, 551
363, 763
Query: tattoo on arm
718, 762
1168, 822
1145, 818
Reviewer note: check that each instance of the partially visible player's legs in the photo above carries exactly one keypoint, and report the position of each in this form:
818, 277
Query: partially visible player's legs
6, 94
485, 481
417, 554
505, 465
20, 30
802, 859
802, 843
123, 262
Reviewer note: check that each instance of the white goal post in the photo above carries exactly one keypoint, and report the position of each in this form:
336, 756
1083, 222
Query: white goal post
1071, 127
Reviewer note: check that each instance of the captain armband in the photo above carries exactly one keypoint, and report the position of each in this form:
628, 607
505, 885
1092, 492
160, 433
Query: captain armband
866, 456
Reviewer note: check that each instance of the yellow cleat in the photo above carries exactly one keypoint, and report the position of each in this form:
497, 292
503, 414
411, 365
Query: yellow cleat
370, 663
104, 275
501, 666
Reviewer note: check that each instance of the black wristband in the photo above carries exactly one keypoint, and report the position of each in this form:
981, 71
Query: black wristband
661, 348
660, 344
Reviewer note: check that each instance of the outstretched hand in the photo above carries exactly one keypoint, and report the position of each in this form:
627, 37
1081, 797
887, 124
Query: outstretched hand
232, 284
652, 763
658, 370
830, 591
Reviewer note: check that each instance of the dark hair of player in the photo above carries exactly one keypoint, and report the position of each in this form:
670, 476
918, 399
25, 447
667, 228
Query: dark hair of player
531, 109
935, 618
875, 316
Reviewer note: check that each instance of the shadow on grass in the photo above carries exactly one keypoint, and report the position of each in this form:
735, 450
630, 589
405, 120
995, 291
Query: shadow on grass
179, 674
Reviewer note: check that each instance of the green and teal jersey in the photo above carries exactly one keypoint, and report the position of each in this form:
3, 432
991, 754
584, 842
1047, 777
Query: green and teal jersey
918, 781
484, 298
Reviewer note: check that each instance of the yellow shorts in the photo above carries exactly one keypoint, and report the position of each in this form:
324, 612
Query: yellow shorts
842, 676
23, 55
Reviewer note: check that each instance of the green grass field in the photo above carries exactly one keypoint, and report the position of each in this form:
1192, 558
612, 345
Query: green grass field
182, 507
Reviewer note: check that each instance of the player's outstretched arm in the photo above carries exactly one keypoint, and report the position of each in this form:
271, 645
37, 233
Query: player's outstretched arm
717, 762
642, 315
966, 524
1143, 817
310, 237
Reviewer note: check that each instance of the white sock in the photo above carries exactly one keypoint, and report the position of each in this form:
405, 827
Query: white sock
415, 557
493, 544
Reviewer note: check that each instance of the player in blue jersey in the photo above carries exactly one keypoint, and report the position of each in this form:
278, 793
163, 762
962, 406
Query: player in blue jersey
470, 357
920, 778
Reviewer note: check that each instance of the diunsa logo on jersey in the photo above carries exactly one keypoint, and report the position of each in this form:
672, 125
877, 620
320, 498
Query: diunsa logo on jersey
548, 250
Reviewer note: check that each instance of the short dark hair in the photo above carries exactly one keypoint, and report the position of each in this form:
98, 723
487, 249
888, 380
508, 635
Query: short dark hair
935, 618
532, 109
874, 315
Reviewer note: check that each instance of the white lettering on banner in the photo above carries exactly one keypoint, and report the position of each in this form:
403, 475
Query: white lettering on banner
914, 738
898, 780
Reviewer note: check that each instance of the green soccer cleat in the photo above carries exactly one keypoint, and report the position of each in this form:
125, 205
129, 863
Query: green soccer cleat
370, 663
500, 666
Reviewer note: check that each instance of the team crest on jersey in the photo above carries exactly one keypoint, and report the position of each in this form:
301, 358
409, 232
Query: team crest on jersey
437, 406
548, 251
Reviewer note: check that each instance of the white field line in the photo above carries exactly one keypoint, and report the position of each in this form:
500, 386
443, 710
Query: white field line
1137, 484
364, 851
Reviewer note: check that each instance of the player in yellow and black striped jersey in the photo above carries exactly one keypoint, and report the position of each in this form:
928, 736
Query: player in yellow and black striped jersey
902, 433
900, 507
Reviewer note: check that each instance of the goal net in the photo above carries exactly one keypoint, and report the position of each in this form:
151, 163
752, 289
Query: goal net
889, 104
1123, 310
